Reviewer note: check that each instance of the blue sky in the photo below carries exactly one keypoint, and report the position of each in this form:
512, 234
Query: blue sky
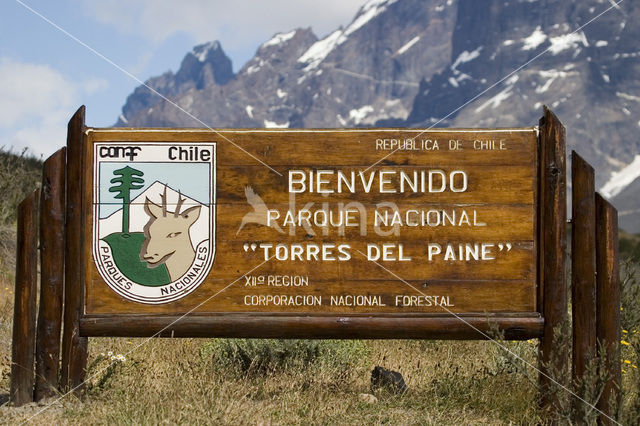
45, 75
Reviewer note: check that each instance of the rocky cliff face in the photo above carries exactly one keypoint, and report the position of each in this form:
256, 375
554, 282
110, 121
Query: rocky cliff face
367, 71
205, 66
588, 76
425, 63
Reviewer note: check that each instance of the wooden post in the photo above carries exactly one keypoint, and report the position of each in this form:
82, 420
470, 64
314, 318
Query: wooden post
74, 347
583, 263
608, 303
553, 240
24, 315
52, 210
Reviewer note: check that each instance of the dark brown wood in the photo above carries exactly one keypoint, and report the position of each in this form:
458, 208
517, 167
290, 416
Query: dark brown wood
503, 186
583, 265
74, 346
24, 314
553, 242
52, 211
608, 304
318, 327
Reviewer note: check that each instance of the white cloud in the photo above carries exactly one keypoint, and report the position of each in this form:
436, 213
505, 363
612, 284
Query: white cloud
236, 23
36, 102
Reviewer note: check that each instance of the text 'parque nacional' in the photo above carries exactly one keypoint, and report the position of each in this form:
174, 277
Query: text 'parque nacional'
176, 216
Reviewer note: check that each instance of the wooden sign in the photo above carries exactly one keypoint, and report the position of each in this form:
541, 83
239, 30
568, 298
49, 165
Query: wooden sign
310, 223
380, 233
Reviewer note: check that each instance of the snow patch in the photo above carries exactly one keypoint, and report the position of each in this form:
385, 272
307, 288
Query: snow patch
318, 51
614, 4
370, 10
273, 125
567, 41
255, 68
551, 76
620, 180
358, 115
495, 101
606, 78
123, 119
279, 39
628, 97
466, 56
201, 51
249, 110
536, 38
281, 93
408, 45
453, 82
508, 42
602, 43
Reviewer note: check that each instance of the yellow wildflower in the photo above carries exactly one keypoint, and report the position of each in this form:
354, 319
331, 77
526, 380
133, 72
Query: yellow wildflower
624, 342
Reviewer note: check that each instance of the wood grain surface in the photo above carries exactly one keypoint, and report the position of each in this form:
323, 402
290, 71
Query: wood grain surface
583, 265
24, 317
554, 357
500, 200
74, 346
608, 305
52, 211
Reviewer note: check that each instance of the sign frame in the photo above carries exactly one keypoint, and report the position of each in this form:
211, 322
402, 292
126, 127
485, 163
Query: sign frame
521, 325
61, 221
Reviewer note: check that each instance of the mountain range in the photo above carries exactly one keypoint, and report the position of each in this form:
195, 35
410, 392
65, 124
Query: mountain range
423, 63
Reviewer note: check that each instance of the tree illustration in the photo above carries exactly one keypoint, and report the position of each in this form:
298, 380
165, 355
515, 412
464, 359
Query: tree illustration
126, 179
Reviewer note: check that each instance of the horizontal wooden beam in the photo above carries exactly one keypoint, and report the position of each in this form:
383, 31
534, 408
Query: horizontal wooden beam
318, 327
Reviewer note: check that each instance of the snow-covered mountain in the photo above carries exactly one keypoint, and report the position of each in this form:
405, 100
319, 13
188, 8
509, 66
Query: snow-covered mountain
366, 71
489, 63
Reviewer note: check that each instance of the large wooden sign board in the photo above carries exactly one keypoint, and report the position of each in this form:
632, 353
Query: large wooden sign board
366, 233
335, 225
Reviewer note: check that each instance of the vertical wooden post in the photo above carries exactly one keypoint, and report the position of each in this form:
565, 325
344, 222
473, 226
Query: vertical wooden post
24, 315
52, 210
608, 303
553, 240
74, 347
583, 263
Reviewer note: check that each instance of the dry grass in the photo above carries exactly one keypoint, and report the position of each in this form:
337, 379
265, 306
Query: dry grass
171, 381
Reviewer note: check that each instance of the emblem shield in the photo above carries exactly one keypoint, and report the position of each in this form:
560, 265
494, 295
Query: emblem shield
154, 218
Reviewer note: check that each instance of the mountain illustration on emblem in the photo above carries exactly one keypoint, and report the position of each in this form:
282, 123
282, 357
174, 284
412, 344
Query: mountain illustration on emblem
154, 236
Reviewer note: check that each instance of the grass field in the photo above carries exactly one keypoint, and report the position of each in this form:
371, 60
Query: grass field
205, 381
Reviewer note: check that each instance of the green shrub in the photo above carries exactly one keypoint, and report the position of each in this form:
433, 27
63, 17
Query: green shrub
261, 356
19, 175
630, 344
629, 247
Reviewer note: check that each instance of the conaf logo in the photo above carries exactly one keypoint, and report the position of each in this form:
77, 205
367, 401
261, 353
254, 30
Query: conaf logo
153, 221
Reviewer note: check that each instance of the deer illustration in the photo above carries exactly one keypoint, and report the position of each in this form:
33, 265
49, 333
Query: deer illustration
167, 237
